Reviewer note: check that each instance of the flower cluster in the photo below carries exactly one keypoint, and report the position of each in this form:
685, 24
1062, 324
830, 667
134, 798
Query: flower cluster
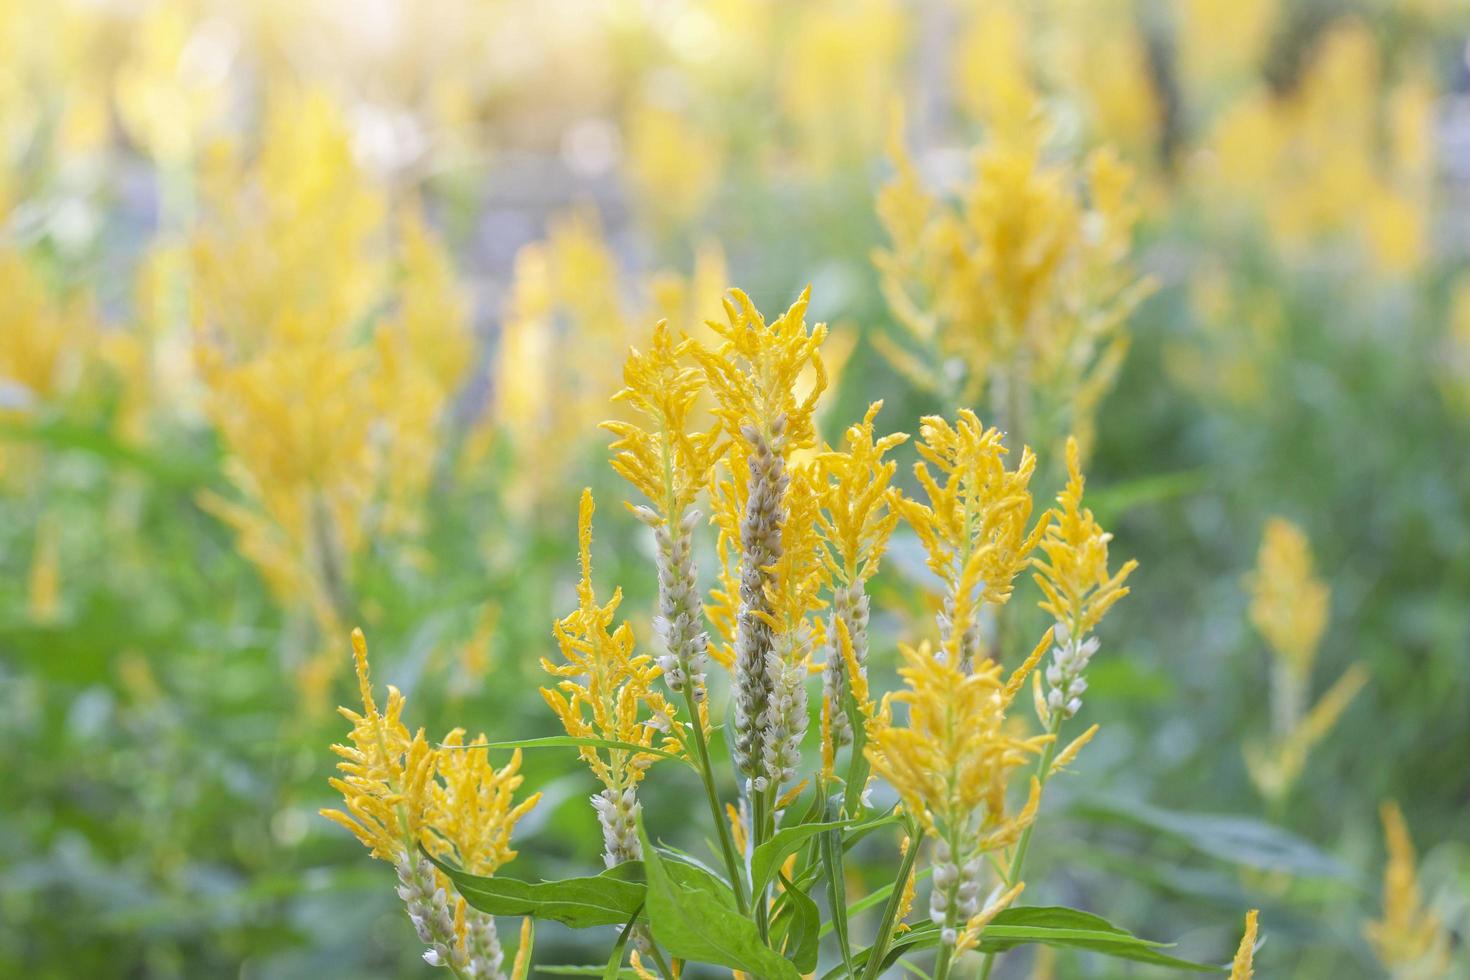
1078, 587
606, 693
860, 509
1019, 293
950, 762
974, 528
331, 341
670, 465
767, 516
405, 797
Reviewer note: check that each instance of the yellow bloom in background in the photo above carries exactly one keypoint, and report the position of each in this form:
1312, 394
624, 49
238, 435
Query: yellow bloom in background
45, 351
173, 84
1410, 941
674, 167
606, 692
1289, 604
974, 528
1018, 293
1345, 154
1242, 968
331, 342
846, 57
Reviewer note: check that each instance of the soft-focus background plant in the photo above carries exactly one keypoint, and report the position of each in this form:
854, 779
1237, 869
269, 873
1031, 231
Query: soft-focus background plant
308, 312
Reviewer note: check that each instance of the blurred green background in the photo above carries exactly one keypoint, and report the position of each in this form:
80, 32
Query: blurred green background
308, 312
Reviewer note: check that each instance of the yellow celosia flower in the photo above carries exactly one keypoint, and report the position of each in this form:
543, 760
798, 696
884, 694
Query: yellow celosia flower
1241, 967
403, 795
473, 810
606, 690
1288, 602
1343, 154
666, 461
1410, 940
328, 408
974, 528
952, 752
1074, 575
388, 773
756, 371
1020, 292
859, 505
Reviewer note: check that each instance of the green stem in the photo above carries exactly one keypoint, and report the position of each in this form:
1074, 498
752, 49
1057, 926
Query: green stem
733, 864
659, 961
758, 836
1043, 770
890, 910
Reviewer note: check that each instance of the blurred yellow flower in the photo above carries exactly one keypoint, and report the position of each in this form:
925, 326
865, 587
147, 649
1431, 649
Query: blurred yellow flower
1289, 604
1410, 941
1019, 294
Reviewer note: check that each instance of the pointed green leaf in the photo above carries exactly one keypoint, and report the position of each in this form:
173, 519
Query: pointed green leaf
695, 919
769, 857
610, 898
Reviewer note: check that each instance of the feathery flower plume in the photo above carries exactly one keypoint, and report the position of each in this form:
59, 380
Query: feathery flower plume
974, 526
755, 374
1410, 940
603, 690
396, 805
1077, 586
1241, 968
669, 464
950, 763
859, 513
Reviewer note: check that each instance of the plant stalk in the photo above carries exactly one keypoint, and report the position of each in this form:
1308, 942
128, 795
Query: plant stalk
1043, 771
733, 864
890, 910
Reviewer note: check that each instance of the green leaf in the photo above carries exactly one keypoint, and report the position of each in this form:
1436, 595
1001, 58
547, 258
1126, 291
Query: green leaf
874, 898
696, 919
1075, 929
804, 929
1046, 926
578, 970
1233, 839
574, 741
610, 898
769, 857
837, 892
